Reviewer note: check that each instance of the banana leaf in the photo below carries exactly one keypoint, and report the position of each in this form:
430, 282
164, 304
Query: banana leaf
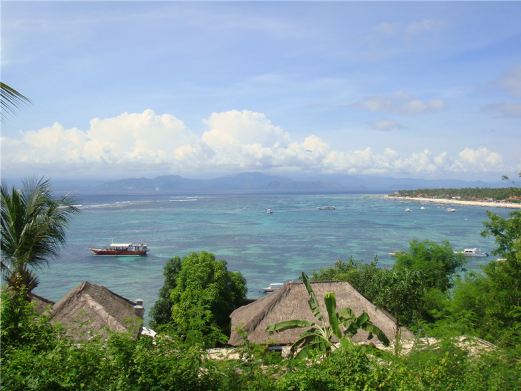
313, 302
330, 301
288, 324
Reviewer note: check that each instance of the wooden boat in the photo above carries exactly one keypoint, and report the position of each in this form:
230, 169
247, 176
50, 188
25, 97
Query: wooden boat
122, 249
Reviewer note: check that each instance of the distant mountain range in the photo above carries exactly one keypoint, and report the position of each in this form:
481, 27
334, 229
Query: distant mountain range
254, 182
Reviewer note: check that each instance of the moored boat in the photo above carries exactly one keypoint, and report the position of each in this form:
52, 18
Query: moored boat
122, 249
472, 252
326, 207
273, 287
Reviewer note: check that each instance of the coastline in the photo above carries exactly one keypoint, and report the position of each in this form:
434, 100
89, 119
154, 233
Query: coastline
445, 201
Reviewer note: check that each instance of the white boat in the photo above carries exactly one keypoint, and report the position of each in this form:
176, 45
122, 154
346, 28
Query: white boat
422, 207
450, 210
326, 207
273, 287
408, 209
472, 252
269, 211
395, 253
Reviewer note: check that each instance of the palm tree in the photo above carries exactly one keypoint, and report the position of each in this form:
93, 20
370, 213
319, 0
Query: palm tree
10, 99
343, 324
33, 229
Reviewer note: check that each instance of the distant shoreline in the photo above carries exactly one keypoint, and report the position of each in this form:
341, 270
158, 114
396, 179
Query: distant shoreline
488, 204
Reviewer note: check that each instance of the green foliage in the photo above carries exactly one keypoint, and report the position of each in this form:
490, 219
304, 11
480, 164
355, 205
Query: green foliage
319, 337
204, 296
161, 312
413, 289
33, 229
437, 262
506, 232
20, 325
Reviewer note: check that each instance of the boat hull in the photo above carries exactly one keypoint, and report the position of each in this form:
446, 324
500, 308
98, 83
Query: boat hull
118, 253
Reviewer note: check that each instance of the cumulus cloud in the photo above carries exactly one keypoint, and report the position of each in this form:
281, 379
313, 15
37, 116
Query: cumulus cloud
139, 143
400, 103
480, 159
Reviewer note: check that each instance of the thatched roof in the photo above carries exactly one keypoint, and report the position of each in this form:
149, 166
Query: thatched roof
91, 309
291, 302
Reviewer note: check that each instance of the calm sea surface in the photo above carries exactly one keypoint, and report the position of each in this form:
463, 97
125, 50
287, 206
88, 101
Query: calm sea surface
264, 247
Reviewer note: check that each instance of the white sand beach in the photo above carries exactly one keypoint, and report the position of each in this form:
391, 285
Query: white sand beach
488, 204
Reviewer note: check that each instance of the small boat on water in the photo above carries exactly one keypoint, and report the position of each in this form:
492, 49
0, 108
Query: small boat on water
472, 252
395, 253
451, 210
273, 287
269, 211
326, 207
122, 249
408, 209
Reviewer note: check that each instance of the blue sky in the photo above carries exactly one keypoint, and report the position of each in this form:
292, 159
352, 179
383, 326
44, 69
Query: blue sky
401, 89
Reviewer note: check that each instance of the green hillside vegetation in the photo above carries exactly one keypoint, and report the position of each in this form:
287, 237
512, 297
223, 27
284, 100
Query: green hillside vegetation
424, 291
505, 194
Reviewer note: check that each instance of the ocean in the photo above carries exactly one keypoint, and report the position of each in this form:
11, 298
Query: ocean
265, 248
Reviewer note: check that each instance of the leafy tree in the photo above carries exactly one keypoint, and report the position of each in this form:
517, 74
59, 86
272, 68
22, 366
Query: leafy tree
33, 229
343, 324
204, 296
437, 262
490, 302
161, 312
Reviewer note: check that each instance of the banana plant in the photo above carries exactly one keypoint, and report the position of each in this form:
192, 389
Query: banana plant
319, 336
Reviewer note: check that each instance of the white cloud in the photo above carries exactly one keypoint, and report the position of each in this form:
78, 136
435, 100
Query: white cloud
477, 160
133, 144
401, 103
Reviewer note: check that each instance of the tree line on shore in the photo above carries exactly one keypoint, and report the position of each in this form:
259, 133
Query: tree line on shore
426, 290
505, 194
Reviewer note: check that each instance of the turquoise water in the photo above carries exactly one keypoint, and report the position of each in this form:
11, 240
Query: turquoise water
264, 247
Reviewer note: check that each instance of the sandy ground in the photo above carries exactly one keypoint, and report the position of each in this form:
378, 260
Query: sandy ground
488, 204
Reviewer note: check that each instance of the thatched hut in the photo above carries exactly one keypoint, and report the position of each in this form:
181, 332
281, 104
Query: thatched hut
91, 309
40, 304
291, 302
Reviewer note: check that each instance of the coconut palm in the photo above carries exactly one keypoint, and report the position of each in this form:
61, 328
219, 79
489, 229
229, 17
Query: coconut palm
10, 99
33, 229
343, 324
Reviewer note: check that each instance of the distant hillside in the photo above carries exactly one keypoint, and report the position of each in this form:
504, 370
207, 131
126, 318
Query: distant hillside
255, 182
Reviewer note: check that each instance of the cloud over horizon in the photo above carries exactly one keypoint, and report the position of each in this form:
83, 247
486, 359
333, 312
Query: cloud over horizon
232, 141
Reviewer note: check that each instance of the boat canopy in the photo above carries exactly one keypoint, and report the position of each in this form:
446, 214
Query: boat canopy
120, 244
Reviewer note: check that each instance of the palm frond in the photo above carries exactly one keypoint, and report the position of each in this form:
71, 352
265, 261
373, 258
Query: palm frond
33, 224
10, 99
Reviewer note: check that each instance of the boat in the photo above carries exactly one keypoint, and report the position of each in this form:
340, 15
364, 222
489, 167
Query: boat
273, 287
326, 207
122, 249
408, 209
472, 252
450, 210
395, 253
422, 207
269, 211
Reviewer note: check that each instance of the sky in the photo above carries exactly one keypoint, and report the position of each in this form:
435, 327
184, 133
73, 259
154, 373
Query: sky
125, 89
